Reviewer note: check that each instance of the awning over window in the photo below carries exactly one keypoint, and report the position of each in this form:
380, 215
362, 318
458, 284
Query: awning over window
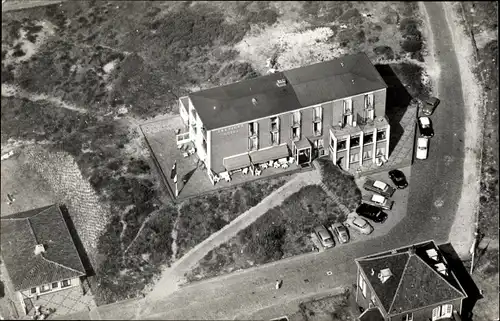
302, 144
276, 152
236, 162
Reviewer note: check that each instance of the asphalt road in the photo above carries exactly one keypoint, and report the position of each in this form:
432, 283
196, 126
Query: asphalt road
433, 200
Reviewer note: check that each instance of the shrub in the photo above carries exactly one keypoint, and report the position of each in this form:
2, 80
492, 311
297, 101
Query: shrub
410, 75
341, 184
351, 16
391, 17
410, 45
409, 27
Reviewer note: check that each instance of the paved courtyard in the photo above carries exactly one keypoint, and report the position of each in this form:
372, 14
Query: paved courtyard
161, 137
65, 302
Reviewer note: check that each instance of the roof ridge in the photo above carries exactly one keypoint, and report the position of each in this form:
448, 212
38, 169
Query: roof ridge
58, 264
66, 228
440, 275
382, 256
399, 284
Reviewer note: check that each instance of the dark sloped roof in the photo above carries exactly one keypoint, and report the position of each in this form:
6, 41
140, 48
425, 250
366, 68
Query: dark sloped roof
22, 231
422, 286
234, 102
418, 282
306, 86
335, 79
385, 291
372, 314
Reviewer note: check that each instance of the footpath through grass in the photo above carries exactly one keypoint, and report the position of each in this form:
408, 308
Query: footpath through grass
281, 232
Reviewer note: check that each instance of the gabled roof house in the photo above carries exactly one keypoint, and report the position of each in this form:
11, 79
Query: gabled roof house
408, 284
39, 252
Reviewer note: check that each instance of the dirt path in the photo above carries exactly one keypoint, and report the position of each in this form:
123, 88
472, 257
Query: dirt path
174, 275
463, 228
14, 91
462, 231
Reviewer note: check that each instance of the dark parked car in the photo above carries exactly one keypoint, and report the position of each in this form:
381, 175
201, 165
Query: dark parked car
429, 104
425, 127
378, 187
372, 213
398, 178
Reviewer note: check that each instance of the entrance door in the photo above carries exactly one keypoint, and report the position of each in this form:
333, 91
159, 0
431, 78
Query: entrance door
304, 156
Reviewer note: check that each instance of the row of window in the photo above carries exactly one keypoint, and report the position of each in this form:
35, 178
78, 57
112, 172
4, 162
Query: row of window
368, 112
367, 154
53, 286
439, 312
355, 140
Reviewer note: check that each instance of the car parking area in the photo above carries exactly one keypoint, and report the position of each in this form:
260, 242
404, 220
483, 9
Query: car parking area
395, 215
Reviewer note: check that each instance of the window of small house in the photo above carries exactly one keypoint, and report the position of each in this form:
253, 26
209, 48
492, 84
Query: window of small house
381, 134
368, 138
354, 141
33, 290
44, 288
341, 144
55, 285
65, 283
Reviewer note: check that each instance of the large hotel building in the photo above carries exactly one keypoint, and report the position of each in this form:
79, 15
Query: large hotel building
334, 109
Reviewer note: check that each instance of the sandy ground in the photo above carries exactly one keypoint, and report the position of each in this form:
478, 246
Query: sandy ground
462, 231
29, 189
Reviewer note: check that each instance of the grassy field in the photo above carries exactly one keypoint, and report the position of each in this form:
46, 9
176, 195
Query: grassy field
281, 232
482, 23
80, 75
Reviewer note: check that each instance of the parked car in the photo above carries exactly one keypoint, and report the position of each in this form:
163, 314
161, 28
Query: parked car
422, 147
398, 178
359, 224
425, 127
378, 200
340, 232
429, 104
324, 236
371, 212
378, 187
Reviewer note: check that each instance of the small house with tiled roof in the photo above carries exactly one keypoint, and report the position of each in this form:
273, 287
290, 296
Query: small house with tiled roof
39, 252
409, 284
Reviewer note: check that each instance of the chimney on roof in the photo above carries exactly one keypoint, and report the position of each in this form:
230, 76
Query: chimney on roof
281, 82
254, 101
39, 248
384, 275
